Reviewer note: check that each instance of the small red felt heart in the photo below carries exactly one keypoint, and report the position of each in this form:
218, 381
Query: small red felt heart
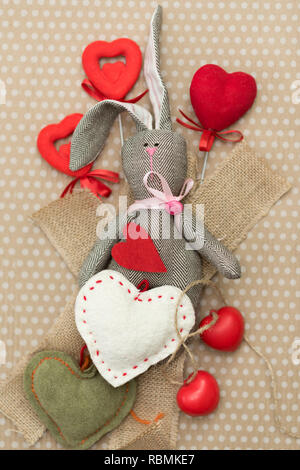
113, 80
220, 98
60, 158
138, 252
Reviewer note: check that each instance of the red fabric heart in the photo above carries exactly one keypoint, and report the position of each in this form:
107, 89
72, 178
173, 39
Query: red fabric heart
114, 80
138, 252
60, 158
219, 98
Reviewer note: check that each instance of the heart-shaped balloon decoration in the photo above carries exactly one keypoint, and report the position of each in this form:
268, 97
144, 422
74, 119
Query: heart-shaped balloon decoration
219, 98
227, 333
113, 80
77, 407
60, 158
138, 252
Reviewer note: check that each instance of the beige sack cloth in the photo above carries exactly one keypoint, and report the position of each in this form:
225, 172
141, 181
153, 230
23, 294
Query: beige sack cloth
239, 193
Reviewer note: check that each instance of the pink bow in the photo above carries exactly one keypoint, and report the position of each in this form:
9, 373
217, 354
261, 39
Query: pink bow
163, 199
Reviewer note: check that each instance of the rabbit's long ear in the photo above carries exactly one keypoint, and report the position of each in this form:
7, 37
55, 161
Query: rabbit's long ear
92, 131
157, 89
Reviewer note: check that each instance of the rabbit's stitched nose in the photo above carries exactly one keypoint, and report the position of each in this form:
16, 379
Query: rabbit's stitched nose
151, 151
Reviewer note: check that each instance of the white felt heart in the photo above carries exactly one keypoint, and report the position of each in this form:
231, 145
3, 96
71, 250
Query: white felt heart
127, 331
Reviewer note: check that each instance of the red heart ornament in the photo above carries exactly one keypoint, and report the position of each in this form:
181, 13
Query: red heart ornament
138, 252
199, 397
219, 98
113, 80
227, 333
60, 158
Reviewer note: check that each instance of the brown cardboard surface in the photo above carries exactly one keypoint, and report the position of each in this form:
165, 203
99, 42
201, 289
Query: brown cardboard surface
40, 65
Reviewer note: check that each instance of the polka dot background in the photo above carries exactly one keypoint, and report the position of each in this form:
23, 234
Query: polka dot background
41, 42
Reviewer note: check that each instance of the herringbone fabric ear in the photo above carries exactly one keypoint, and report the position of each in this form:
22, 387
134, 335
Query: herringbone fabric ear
157, 88
92, 131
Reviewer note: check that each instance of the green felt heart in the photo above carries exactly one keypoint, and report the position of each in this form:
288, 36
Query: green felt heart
77, 407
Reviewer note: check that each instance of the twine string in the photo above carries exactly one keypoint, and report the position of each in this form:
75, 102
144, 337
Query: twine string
183, 339
199, 331
277, 417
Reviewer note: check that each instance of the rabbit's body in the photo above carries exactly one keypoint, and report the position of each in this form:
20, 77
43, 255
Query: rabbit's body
183, 266
162, 154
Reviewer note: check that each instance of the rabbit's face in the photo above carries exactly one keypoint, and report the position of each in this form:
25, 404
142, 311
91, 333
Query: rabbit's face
162, 151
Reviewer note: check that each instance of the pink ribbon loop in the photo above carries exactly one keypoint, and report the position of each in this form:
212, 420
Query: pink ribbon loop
163, 200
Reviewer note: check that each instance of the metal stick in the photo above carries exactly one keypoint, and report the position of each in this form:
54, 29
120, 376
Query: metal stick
204, 167
121, 130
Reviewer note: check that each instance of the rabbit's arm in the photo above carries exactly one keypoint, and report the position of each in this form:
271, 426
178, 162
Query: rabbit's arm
99, 256
211, 249
96, 260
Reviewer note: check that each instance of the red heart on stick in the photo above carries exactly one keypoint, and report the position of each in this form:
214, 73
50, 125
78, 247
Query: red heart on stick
60, 158
114, 80
138, 252
219, 98
227, 333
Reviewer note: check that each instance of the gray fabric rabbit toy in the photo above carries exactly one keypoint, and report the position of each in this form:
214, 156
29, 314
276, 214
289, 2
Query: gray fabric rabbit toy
154, 162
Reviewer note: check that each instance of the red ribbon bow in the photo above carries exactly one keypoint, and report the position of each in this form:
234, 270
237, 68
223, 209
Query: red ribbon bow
97, 95
208, 135
90, 181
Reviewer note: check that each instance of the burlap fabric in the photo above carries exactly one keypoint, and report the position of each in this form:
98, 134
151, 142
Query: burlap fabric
236, 196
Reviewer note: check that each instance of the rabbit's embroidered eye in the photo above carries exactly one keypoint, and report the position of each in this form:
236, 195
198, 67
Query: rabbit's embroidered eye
145, 145
156, 145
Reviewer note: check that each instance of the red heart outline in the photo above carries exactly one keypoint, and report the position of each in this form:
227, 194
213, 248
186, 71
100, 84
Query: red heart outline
138, 254
60, 159
111, 84
219, 98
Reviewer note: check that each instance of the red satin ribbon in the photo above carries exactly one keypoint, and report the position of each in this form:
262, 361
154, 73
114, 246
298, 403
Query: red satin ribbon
90, 181
208, 135
97, 95
84, 347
